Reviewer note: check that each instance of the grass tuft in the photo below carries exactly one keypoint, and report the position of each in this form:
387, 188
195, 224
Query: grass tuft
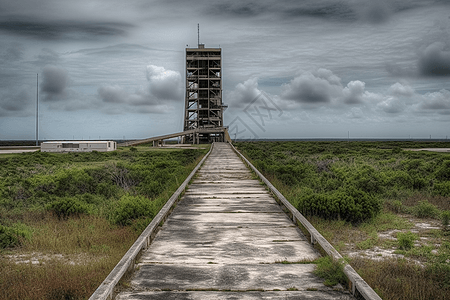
331, 271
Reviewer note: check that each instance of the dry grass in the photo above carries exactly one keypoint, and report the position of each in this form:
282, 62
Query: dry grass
345, 236
74, 257
399, 279
439, 201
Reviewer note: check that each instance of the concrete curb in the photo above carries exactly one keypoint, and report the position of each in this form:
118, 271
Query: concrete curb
106, 290
358, 285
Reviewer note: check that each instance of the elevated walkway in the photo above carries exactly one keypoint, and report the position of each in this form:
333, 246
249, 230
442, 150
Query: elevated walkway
157, 140
227, 239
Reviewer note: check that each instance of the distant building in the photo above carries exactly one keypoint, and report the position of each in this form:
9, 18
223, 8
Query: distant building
203, 102
81, 146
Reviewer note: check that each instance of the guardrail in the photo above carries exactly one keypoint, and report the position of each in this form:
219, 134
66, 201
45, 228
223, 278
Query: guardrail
106, 290
357, 284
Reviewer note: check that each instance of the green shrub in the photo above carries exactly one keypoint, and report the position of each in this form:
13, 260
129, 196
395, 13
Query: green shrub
129, 208
140, 224
367, 179
107, 190
425, 210
419, 182
442, 188
331, 271
8, 237
91, 198
287, 179
445, 219
73, 181
397, 205
397, 150
443, 171
11, 236
406, 240
68, 206
399, 179
347, 203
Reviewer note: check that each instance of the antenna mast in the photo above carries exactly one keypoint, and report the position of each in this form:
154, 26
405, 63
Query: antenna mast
198, 33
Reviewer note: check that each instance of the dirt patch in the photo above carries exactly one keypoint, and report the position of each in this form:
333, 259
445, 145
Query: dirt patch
36, 258
387, 244
430, 149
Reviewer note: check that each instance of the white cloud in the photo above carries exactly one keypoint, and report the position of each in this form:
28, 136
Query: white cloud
401, 90
392, 105
437, 101
323, 92
317, 88
353, 93
355, 113
244, 93
164, 84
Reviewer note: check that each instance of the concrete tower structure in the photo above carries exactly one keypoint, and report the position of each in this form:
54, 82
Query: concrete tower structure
203, 102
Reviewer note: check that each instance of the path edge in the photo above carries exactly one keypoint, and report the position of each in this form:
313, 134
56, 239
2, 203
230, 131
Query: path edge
357, 284
106, 290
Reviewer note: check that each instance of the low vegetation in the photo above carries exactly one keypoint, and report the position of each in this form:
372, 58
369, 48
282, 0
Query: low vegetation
331, 271
364, 196
67, 219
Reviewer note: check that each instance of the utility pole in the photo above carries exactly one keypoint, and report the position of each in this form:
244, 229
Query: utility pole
37, 110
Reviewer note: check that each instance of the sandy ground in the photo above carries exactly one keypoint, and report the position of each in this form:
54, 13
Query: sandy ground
17, 151
431, 149
421, 227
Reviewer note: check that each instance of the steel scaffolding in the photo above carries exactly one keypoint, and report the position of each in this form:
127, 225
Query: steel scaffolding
203, 102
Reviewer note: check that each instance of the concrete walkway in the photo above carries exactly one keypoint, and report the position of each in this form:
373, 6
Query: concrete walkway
226, 240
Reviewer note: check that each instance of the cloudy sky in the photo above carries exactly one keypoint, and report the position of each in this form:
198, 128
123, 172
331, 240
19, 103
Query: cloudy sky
291, 68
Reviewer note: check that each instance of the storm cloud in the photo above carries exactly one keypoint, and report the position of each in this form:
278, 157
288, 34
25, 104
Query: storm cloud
112, 94
55, 30
13, 53
16, 104
435, 60
328, 62
378, 11
367, 11
54, 83
163, 88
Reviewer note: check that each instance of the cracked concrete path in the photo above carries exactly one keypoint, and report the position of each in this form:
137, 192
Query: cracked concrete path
228, 239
